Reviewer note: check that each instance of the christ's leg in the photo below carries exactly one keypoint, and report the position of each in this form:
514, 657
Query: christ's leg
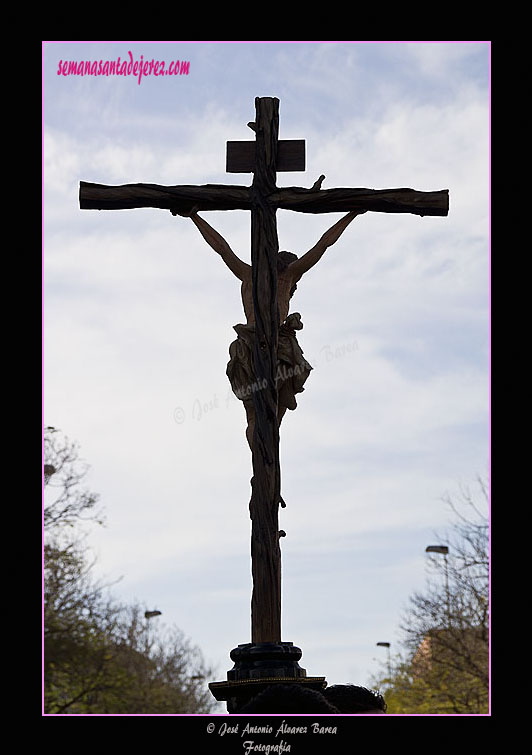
250, 414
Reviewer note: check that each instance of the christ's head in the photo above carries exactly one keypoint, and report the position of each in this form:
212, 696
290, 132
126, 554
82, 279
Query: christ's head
284, 259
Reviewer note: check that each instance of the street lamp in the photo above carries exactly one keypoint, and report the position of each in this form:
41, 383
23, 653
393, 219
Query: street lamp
387, 645
443, 549
151, 614
48, 470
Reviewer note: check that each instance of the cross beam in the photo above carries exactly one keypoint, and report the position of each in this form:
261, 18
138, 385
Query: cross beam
222, 197
264, 158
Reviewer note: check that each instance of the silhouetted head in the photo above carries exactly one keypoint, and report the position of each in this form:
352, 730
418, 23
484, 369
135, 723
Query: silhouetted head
288, 698
284, 259
349, 698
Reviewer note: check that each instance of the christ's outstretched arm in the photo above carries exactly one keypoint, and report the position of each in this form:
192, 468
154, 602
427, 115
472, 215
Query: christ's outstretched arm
220, 245
308, 260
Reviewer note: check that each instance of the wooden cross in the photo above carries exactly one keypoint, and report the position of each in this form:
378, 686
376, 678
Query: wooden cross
264, 157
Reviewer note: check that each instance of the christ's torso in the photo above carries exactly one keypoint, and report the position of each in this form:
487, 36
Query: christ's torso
284, 286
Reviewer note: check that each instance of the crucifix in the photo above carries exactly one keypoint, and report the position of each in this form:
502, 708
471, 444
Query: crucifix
264, 157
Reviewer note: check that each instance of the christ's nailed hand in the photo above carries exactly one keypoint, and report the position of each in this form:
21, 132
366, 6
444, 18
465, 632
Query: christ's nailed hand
185, 213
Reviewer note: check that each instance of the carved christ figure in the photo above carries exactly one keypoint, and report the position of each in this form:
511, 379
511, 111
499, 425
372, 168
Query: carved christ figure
293, 369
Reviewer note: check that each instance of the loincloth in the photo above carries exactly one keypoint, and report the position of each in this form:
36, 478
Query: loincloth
292, 367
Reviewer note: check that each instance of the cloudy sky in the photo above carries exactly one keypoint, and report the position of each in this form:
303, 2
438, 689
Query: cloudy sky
138, 316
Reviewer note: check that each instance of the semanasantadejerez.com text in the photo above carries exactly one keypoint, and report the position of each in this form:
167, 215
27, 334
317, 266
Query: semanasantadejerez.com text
118, 67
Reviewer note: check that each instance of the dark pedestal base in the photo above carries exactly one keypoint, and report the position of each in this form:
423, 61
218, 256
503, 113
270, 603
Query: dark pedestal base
259, 665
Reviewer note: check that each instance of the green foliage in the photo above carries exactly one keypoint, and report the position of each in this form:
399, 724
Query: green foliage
438, 690
100, 656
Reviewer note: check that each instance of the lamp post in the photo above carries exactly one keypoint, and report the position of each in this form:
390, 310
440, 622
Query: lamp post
444, 550
149, 615
387, 645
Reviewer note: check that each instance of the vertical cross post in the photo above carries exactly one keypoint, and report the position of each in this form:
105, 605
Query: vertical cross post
264, 506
